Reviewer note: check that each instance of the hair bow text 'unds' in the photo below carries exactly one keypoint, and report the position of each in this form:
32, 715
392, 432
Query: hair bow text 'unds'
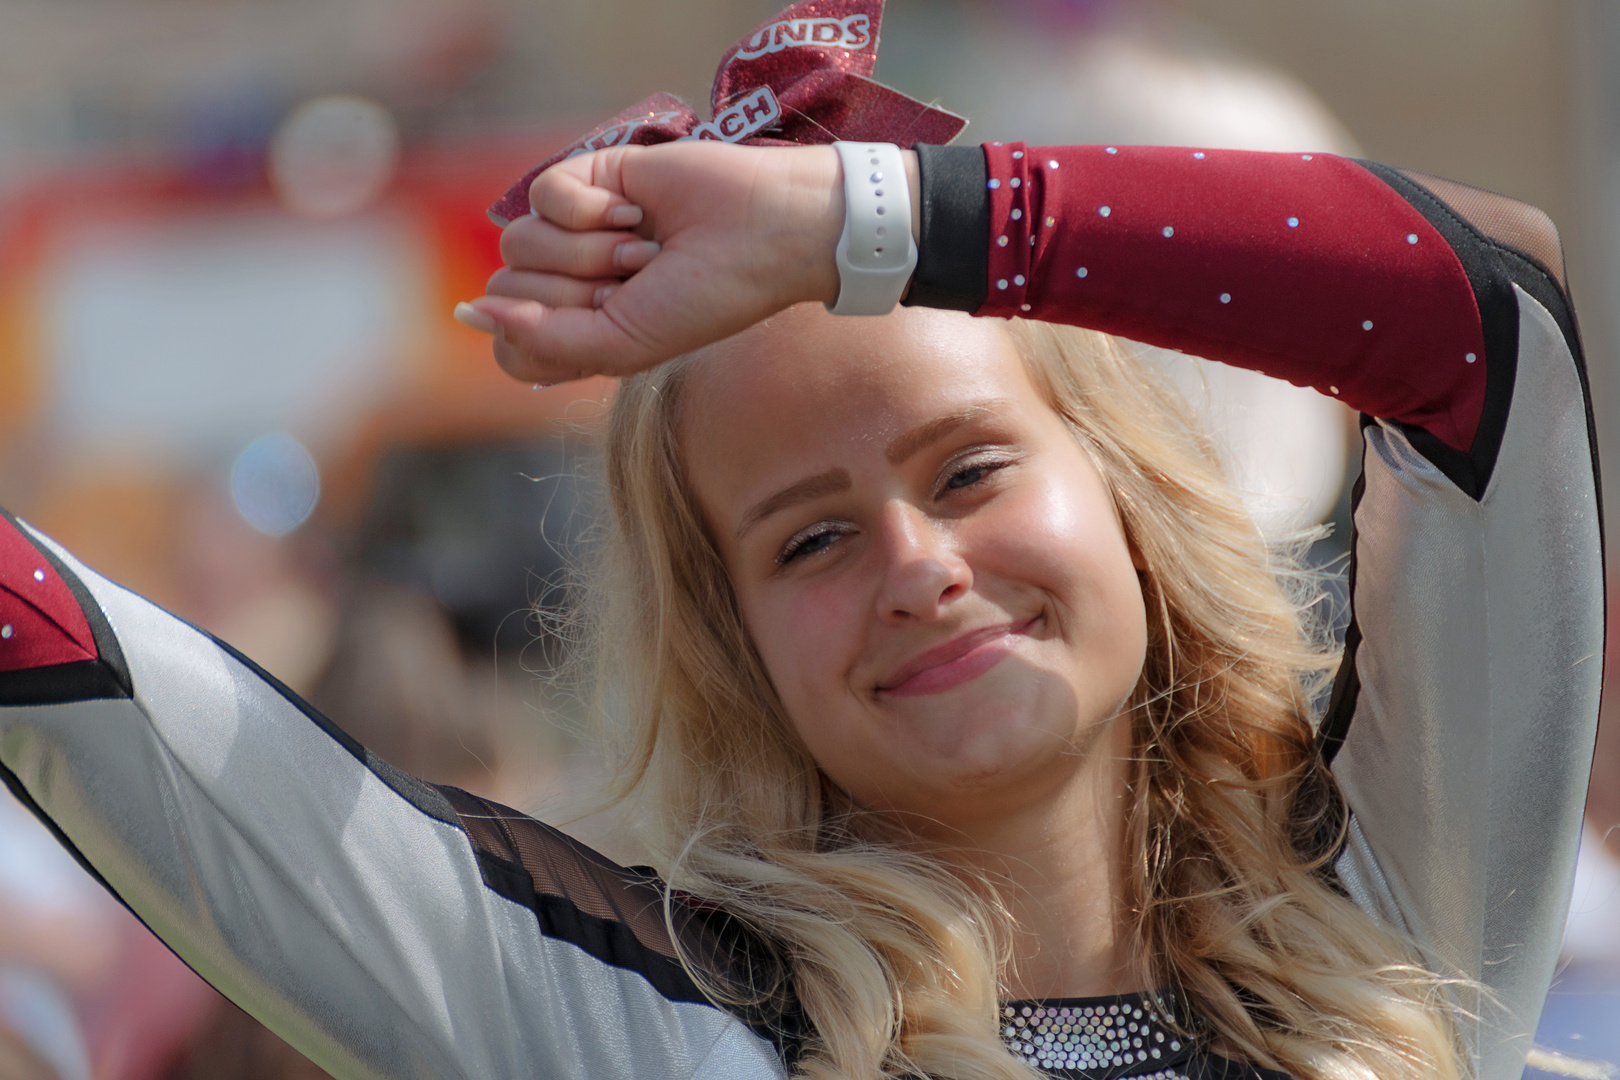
801, 78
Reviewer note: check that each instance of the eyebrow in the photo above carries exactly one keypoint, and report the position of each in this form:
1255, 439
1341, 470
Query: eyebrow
898, 452
931, 431
830, 482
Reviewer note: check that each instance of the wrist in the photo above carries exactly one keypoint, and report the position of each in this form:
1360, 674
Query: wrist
818, 183
818, 211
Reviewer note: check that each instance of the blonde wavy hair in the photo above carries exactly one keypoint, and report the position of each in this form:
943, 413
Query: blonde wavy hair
894, 957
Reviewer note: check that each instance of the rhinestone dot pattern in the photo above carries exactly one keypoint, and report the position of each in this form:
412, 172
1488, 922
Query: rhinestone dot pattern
1096, 1041
1248, 250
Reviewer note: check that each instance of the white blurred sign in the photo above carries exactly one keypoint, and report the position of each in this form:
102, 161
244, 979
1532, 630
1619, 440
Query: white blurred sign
185, 341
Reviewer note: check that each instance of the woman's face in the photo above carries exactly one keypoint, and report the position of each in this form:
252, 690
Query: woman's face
929, 564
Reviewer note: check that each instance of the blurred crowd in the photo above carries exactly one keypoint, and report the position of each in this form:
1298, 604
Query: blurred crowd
230, 239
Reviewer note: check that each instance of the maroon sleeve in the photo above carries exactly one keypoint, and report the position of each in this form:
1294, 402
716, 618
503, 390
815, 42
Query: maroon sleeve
1307, 267
41, 623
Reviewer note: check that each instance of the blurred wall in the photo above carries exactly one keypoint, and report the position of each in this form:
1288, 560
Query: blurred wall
1480, 90
1518, 96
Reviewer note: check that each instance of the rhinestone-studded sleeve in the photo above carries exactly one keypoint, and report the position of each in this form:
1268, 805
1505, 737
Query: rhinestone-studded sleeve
1307, 267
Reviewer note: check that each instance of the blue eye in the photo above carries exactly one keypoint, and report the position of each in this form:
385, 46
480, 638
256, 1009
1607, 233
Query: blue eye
971, 474
967, 477
815, 539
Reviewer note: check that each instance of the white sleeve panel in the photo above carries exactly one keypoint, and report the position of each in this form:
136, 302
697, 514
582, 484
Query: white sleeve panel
1480, 663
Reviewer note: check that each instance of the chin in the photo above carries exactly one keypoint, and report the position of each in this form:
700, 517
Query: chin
983, 735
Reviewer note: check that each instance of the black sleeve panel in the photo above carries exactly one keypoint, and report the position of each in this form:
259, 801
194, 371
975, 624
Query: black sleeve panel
953, 263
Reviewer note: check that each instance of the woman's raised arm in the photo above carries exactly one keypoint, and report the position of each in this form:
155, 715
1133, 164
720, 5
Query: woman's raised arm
1462, 721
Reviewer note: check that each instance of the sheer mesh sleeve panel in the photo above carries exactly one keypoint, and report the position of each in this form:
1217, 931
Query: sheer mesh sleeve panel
1507, 221
617, 914
580, 895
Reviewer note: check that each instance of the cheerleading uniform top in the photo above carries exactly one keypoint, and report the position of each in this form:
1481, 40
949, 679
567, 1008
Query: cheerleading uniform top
388, 928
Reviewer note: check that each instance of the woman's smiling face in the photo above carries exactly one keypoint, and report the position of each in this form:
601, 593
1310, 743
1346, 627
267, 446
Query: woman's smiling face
928, 562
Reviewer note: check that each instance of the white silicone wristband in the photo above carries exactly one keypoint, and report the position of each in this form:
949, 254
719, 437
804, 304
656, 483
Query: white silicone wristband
876, 254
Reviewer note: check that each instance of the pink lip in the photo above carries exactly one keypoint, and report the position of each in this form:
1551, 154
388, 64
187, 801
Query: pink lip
960, 660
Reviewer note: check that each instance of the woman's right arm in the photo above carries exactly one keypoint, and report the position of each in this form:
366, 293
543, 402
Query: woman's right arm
383, 927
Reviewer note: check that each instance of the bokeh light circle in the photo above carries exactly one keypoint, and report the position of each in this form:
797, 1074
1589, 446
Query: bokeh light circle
275, 484
334, 155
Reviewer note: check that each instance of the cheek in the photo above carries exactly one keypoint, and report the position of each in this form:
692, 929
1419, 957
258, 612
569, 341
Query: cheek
808, 639
1062, 542
1062, 536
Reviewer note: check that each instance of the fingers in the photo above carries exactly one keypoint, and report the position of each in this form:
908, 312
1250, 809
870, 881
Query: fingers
552, 290
577, 195
537, 343
583, 294
536, 244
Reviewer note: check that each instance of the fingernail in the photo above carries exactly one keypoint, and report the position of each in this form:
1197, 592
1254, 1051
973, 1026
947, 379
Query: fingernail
467, 315
624, 217
602, 294
634, 254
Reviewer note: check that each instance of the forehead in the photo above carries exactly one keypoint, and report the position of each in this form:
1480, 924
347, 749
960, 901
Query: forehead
806, 387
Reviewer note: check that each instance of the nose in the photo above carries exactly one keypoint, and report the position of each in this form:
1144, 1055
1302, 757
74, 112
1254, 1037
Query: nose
923, 571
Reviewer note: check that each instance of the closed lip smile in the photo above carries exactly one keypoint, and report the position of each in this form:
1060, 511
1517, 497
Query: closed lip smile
959, 660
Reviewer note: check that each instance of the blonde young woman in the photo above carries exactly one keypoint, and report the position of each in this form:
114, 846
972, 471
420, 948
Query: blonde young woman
970, 721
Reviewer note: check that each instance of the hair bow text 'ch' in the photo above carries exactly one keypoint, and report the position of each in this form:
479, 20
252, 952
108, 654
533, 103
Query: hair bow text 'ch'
803, 77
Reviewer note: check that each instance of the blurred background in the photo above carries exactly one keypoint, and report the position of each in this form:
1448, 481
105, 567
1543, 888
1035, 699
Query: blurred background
231, 234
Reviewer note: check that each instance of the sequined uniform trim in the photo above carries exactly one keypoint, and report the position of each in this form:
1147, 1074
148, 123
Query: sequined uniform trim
1097, 1041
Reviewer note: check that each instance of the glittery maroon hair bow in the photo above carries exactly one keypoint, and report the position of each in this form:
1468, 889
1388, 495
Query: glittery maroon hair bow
802, 77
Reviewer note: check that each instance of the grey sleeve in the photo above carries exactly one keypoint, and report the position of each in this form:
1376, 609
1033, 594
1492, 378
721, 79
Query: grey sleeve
1469, 707
341, 904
